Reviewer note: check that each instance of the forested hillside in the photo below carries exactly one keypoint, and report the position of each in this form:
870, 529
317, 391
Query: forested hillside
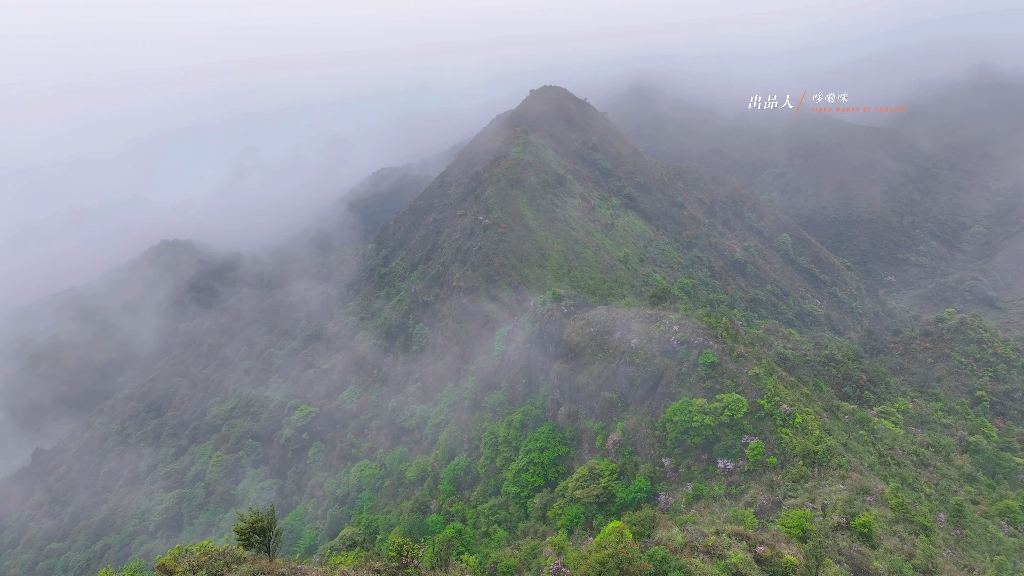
560, 354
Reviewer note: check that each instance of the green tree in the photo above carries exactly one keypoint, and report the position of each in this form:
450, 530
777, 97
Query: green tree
1010, 511
450, 476
349, 539
629, 495
257, 532
755, 454
664, 562
786, 243
536, 465
404, 556
454, 542
502, 441
592, 485
958, 511
730, 407
689, 420
642, 523
303, 414
612, 553
695, 420
777, 563
707, 361
570, 517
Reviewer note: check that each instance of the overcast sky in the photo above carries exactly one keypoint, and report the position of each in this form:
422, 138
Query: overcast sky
125, 122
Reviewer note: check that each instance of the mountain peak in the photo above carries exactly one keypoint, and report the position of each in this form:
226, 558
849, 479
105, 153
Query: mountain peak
551, 110
551, 195
548, 98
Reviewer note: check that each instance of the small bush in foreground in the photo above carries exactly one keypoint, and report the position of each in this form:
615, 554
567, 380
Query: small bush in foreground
202, 559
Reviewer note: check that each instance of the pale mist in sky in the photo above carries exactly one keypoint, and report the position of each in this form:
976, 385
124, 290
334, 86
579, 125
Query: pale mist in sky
233, 123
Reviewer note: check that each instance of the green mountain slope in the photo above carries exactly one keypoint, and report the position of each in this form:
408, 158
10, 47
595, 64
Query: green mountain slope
552, 196
562, 352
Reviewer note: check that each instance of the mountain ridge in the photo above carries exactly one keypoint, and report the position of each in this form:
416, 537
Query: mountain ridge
557, 334
605, 193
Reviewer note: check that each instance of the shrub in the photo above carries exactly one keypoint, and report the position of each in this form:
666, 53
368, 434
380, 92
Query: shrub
926, 557
202, 559
755, 453
776, 563
593, 486
865, 527
797, 524
958, 511
707, 361
612, 553
628, 496
786, 243
354, 559
1011, 512
455, 541
538, 463
664, 563
303, 414
134, 567
257, 532
404, 556
744, 517
572, 517
348, 540
695, 420
642, 523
